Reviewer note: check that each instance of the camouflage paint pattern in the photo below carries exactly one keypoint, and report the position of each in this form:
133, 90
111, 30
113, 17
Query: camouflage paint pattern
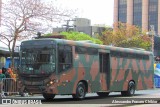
86, 68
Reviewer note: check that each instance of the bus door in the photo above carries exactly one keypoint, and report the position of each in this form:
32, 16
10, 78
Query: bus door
104, 71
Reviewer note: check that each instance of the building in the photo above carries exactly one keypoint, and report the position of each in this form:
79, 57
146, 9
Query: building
80, 25
81, 22
143, 13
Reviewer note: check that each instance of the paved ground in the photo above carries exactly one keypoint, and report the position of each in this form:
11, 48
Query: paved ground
92, 100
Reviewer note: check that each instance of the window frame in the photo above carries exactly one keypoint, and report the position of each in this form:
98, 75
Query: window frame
65, 51
86, 50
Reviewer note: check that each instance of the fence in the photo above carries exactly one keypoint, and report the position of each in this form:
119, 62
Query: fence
9, 86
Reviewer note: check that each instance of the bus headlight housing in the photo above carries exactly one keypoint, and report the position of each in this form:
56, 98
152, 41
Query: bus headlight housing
51, 82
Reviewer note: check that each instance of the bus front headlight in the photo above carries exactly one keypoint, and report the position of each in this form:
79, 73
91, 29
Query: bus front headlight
51, 82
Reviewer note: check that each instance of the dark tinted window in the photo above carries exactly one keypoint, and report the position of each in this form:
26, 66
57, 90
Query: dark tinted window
122, 11
86, 50
153, 14
64, 57
81, 50
92, 51
129, 55
137, 12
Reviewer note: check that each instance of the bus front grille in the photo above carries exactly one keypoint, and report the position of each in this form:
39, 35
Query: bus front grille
34, 89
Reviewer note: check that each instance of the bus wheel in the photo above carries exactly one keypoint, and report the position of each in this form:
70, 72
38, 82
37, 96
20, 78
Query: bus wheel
48, 96
103, 94
131, 89
80, 91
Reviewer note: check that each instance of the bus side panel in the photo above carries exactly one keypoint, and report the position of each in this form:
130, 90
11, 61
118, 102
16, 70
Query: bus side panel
124, 70
145, 77
119, 70
85, 68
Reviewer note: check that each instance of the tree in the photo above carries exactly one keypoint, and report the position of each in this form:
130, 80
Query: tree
78, 36
127, 36
22, 18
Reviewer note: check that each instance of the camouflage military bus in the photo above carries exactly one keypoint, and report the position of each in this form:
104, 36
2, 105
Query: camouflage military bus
64, 67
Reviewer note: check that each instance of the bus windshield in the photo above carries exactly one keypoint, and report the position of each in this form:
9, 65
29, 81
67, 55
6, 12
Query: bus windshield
38, 60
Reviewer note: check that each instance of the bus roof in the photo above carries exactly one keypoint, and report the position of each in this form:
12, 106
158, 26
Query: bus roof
93, 45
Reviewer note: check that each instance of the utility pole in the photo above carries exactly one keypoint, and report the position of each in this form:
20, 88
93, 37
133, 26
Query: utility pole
68, 26
151, 33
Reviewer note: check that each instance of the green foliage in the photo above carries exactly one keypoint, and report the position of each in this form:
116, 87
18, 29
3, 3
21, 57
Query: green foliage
77, 36
137, 42
126, 36
48, 34
55, 36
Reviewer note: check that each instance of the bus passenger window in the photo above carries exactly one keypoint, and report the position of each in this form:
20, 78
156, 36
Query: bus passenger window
64, 58
61, 57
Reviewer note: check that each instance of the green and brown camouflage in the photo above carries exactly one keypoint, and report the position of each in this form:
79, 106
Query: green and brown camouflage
121, 65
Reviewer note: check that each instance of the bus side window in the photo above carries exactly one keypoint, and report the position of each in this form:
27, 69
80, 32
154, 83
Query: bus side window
61, 57
64, 58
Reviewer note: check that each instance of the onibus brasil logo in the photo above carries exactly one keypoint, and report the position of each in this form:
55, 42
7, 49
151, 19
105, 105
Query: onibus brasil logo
21, 101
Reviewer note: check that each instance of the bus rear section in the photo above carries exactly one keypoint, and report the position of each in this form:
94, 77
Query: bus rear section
131, 70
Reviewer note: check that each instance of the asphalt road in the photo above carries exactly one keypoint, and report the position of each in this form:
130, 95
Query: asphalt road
114, 99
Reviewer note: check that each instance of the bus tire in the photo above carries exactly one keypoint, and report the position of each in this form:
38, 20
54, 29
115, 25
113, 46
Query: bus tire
103, 94
48, 96
80, 91
130, 91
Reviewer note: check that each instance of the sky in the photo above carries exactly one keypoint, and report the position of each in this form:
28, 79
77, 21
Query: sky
98, 11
